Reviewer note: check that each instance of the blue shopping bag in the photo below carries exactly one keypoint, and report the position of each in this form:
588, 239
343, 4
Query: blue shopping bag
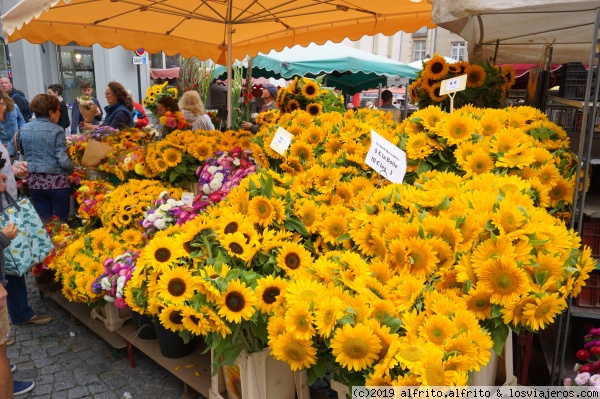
32, 244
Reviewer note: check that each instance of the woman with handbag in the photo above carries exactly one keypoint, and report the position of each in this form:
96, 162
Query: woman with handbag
17, 301
44, 145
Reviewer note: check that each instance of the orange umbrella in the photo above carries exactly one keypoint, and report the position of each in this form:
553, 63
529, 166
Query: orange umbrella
220, 30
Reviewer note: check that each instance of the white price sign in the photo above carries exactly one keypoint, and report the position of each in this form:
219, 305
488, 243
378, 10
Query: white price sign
187, 198
386, 159
140, 60
453, 85
281, 140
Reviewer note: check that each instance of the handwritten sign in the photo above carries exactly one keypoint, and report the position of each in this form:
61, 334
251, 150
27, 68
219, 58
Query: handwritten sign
281, 140
453, 85
386, 159
187, 198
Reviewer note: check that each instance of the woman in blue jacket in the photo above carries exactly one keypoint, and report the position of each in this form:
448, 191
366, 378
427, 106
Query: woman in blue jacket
44, 145
13, 121
119, 111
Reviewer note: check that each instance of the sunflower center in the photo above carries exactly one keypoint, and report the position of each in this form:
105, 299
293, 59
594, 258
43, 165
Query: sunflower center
481, 303
437, 67
236, 248
176, 287
235, 301
310, 90
328, 316
356, 348
162, 254
270, 295
295, 351
292, 261
413, 353
263, 209
302, 323
231, 228
175, 317
504, 281
188, 247
195, 319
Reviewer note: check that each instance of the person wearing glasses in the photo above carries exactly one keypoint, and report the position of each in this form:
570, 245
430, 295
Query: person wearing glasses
13, 121
44, 145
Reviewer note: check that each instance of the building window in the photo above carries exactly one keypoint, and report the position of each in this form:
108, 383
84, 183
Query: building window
161, 61
458, 51
76, 65
419, 52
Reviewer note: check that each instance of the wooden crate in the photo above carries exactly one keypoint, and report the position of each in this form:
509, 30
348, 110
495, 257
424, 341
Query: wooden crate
112, 317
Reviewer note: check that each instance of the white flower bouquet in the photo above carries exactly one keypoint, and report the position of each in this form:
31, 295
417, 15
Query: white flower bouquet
87, 108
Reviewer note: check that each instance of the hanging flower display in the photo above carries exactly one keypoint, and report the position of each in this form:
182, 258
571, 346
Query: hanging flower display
154, 93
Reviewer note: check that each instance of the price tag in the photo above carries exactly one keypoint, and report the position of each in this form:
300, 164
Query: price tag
187, 198
386, 159
281, 141
453, 85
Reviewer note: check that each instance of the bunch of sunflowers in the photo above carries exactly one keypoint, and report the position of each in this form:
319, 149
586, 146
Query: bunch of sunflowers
309, 95
486, 84
154, 93
125, 206
518, 141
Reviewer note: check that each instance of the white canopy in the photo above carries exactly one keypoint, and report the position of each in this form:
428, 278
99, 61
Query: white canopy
521, 27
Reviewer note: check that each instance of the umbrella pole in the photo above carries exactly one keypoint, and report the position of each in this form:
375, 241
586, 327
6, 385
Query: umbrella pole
229, 78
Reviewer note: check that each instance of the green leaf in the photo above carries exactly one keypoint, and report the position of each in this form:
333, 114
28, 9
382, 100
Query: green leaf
344, 237
540, 277
319, 368
445, 204
348, 319
294, 224
423, 167
499, 336
393, 323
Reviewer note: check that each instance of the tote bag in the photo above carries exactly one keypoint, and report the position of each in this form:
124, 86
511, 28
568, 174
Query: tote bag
32, 244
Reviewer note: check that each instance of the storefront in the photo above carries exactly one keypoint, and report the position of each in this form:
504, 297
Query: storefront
76, 64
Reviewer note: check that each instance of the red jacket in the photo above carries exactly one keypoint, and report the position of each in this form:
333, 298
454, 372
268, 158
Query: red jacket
142, 118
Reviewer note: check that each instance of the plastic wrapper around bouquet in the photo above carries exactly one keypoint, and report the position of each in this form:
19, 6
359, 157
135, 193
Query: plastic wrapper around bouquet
87, 108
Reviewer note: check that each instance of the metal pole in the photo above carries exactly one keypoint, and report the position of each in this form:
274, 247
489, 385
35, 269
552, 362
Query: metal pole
229, 28
378, 96
139, 76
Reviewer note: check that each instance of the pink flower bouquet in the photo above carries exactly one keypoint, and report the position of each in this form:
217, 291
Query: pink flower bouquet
117, 273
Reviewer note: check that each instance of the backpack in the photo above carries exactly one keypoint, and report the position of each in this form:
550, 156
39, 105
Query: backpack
27, 111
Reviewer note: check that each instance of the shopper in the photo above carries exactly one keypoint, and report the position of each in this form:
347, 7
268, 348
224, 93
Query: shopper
194, 112
45, 149
140, 119
17, 96
269, 92
13, 121
119, 111
56, 90
76, 118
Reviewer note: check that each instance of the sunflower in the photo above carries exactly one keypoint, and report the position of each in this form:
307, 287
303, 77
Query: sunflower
298, 353
355, 347
302, 150
434, 92
310, 89
327, 313
562, 191
163, 251
478, 302
237, 302
509, 75
172, 157
458, 128
332, 227
475, 76
293, 258
194, 321
292, 105
478, 163
413, 351
310, 215
437, 329
508, 217
176, 285
171, 316
542, 312
422, 257
436, 68
503, 278
490, 124
299, 321
200, 150
261, 211
314, 109
270, 293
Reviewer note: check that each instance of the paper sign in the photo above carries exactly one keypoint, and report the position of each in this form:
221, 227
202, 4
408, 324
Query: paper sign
281, 141
458, 83
386, 159
187, 198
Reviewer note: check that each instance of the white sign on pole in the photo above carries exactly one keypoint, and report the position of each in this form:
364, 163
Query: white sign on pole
140, 60
453, 85
386, 159
281, 141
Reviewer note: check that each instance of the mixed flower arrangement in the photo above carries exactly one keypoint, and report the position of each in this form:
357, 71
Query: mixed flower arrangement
214, 117
167, 212
219, 174
588, 373
90, 196
172, 121
117, 273
486, 84
87, 108
154, 93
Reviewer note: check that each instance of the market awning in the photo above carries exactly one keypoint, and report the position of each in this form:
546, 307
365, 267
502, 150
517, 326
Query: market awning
169, 73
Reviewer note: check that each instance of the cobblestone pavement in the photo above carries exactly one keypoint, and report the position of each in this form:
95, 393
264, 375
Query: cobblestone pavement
69, 361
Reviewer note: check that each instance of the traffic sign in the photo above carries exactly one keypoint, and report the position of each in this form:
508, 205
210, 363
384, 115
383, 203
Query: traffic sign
140, 52
140, 60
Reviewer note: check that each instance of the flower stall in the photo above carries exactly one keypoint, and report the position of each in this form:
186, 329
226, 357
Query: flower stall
314, 261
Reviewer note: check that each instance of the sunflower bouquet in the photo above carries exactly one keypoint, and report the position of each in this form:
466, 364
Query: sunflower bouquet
125, 206
486, 84
154, 93
76, 144
309, 95
219, 174
516, 140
